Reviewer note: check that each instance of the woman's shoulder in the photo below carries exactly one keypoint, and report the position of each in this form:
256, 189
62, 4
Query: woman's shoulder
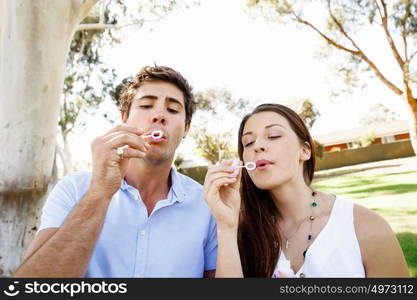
381, 252
369, 225
367, 222
374, 234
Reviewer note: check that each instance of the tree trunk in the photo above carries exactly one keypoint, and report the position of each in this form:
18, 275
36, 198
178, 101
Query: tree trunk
412, 104
34, 41
19, 219
68, 157
65, 155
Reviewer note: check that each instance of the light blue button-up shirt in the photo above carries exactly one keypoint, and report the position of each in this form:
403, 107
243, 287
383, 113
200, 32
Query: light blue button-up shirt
178, 239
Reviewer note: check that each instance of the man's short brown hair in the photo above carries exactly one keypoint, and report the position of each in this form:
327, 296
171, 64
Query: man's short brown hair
158, 73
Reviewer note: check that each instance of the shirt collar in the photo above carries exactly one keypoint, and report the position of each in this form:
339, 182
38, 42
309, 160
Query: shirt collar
177, 187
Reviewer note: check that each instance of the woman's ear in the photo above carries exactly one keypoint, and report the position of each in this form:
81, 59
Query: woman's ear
187, 128
305, 151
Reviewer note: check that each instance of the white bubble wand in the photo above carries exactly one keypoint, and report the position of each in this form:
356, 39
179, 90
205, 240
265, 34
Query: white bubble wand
250, 165
155, 135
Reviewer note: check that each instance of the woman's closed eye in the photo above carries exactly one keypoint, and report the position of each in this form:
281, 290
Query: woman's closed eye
247, 144
274, 136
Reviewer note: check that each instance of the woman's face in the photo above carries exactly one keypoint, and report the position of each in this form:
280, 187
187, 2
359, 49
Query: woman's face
269, 141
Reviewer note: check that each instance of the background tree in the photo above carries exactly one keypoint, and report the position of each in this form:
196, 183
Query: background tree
89, 81
345, 19
115, 93
215, 147
35, 37
34, 41
216, 122
305, 108
378, 113
366, 139
308, 113
87, 84
319, 148
179, 159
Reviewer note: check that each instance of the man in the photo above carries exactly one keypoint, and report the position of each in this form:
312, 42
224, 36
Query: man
133, 215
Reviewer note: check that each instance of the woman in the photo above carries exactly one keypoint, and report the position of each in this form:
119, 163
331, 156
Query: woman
278, 225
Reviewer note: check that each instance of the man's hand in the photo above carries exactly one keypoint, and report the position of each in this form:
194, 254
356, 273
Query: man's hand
108, 168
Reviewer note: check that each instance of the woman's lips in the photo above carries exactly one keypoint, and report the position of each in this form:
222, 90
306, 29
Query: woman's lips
263, 164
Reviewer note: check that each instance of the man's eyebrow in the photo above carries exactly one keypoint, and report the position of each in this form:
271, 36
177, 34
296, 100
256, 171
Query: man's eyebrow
148, 97
266, 127
171, 99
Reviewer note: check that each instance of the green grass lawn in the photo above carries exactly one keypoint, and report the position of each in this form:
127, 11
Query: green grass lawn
392, 195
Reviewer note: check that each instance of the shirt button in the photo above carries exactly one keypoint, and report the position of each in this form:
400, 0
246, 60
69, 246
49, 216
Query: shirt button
302, 275
142, 232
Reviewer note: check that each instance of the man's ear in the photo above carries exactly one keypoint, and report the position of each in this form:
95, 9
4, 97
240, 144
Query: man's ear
187, 128
305, 151
124, 116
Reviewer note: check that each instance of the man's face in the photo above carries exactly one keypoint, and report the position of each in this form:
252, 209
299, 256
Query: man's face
159, 105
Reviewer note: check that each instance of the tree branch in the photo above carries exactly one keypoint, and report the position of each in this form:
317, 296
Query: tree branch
98, 26
412, 56
328, 39
378, 74
102, 11
404, 35
362, 55
82, 45
357, 52
384, 19
404, 32
379, 9
85, 7
340, 26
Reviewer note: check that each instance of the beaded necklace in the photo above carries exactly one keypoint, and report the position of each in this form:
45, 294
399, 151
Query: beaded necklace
311, 218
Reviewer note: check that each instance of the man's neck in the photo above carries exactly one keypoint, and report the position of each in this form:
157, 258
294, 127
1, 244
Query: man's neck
153, 181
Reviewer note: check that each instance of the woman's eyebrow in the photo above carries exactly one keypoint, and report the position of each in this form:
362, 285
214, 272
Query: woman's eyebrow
266, 127
247, 133
271, 125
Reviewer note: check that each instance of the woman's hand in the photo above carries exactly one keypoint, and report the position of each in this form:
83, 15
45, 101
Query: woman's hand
221, 191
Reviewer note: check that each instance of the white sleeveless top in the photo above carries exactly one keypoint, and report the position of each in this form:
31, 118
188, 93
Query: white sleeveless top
335, 252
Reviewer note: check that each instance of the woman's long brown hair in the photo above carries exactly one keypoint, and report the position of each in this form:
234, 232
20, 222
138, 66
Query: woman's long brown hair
259, 241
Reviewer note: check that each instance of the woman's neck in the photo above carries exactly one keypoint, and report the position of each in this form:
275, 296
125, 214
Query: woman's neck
292, 200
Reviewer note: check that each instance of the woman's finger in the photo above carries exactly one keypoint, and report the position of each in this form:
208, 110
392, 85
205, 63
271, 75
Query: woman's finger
212, 192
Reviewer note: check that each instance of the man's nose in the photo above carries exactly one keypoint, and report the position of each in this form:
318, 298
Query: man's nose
159, 118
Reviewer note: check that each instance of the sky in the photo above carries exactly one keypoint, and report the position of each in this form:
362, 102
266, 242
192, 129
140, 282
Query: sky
222, 44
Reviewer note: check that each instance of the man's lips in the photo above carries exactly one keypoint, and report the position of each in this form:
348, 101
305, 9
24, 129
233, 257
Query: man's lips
159, 140
154, 136
263, 164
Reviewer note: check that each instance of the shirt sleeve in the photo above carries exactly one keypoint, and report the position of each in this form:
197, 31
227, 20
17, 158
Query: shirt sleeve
59, 203
210, 249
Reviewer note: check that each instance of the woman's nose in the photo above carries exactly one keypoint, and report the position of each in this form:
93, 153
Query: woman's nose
259, 148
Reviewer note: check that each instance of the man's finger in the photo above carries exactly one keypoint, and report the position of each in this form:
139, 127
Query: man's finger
123, 139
